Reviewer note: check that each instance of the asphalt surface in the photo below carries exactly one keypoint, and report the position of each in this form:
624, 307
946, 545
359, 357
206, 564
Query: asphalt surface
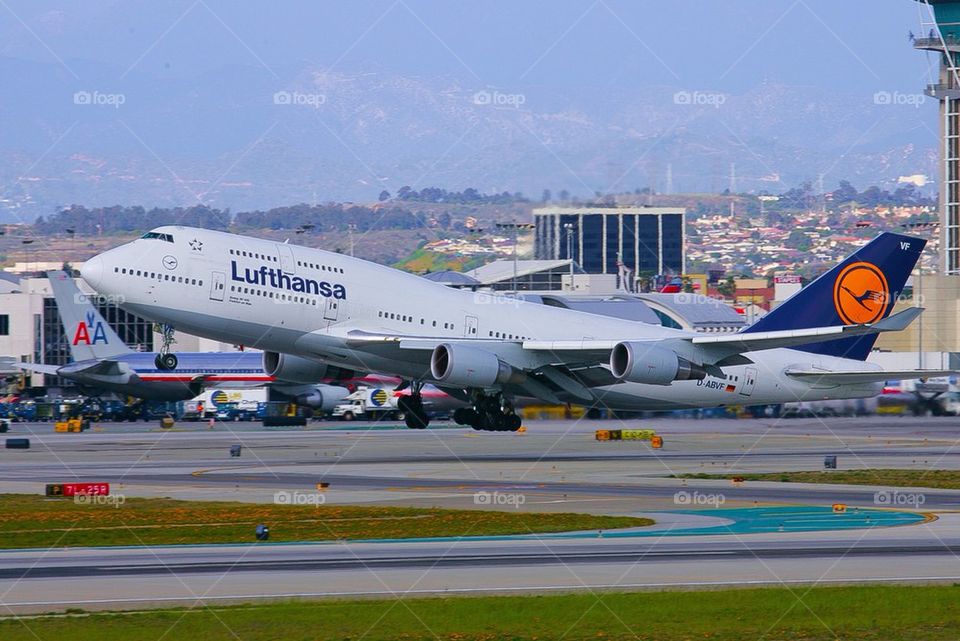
554, 466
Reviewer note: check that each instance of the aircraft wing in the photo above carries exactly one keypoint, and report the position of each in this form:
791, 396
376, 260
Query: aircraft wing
866, 376
532, 355
576, 365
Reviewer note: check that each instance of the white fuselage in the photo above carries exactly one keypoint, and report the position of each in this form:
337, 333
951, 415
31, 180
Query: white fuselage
304, 301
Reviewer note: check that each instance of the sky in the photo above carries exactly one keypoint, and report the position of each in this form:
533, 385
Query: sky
601, 86
524, 46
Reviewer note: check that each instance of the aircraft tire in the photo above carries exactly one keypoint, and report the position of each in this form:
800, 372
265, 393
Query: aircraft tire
416, 420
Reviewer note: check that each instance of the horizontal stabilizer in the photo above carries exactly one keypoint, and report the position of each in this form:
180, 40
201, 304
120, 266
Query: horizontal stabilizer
52, 370
751, 342
871, 376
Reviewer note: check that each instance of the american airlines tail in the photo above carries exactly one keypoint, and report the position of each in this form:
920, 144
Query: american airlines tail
862, 289
89, 335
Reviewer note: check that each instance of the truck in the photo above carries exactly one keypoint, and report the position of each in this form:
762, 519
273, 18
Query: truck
224, 404
376, 403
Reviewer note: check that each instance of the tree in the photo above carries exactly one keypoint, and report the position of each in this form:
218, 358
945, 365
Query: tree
728, 288
845, 193
384, 195
798, 240
546, 197
564, 195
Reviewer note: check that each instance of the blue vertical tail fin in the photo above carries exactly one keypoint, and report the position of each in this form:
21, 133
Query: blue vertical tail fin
860, 290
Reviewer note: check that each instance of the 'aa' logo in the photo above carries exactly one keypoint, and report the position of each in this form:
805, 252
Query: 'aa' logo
82, 335
861, 294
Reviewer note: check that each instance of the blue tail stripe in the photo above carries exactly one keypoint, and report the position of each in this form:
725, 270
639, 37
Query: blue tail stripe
894, 255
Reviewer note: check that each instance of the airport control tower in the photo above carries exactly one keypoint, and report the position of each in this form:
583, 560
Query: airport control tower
940, 24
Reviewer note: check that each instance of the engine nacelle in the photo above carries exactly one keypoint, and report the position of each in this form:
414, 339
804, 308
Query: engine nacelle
466, 366
295, 369
652, 365
323, 397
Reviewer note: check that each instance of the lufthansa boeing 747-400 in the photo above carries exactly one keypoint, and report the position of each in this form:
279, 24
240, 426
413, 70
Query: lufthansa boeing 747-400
319, 314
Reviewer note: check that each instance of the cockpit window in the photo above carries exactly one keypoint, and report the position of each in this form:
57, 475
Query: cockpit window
165, 237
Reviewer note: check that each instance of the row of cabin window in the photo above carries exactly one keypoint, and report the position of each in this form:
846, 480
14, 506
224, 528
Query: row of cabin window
507, 336
322, 268
266, 294
129, 271
273, 259
246, 254
410, 319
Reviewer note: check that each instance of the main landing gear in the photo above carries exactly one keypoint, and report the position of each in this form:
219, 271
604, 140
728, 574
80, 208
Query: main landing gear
411, 406
490, 412
165, 360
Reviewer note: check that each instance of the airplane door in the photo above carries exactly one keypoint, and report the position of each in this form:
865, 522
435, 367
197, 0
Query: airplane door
218, 285
749, 380
470, 327
331, 309
287, 264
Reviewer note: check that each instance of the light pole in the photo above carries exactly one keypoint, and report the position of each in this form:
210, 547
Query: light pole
569, 229
72, 233
515, 230
918, 297
27, 254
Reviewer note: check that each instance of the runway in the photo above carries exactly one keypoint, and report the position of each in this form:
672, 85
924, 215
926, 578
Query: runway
137, 577
753, 533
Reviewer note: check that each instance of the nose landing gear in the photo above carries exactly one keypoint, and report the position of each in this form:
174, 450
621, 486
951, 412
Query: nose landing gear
489, 413
165, 359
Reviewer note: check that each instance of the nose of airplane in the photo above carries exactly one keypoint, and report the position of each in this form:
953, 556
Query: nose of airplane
92, 272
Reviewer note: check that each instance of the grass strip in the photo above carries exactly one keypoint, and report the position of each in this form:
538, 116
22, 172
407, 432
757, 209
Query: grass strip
934, 479
36, 521
887, 613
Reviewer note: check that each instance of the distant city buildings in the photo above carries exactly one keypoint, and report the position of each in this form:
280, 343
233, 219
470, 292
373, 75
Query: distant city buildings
628, 242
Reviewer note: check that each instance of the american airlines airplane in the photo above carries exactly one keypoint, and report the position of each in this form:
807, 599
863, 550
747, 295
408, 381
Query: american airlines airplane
320, 314
101, 360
